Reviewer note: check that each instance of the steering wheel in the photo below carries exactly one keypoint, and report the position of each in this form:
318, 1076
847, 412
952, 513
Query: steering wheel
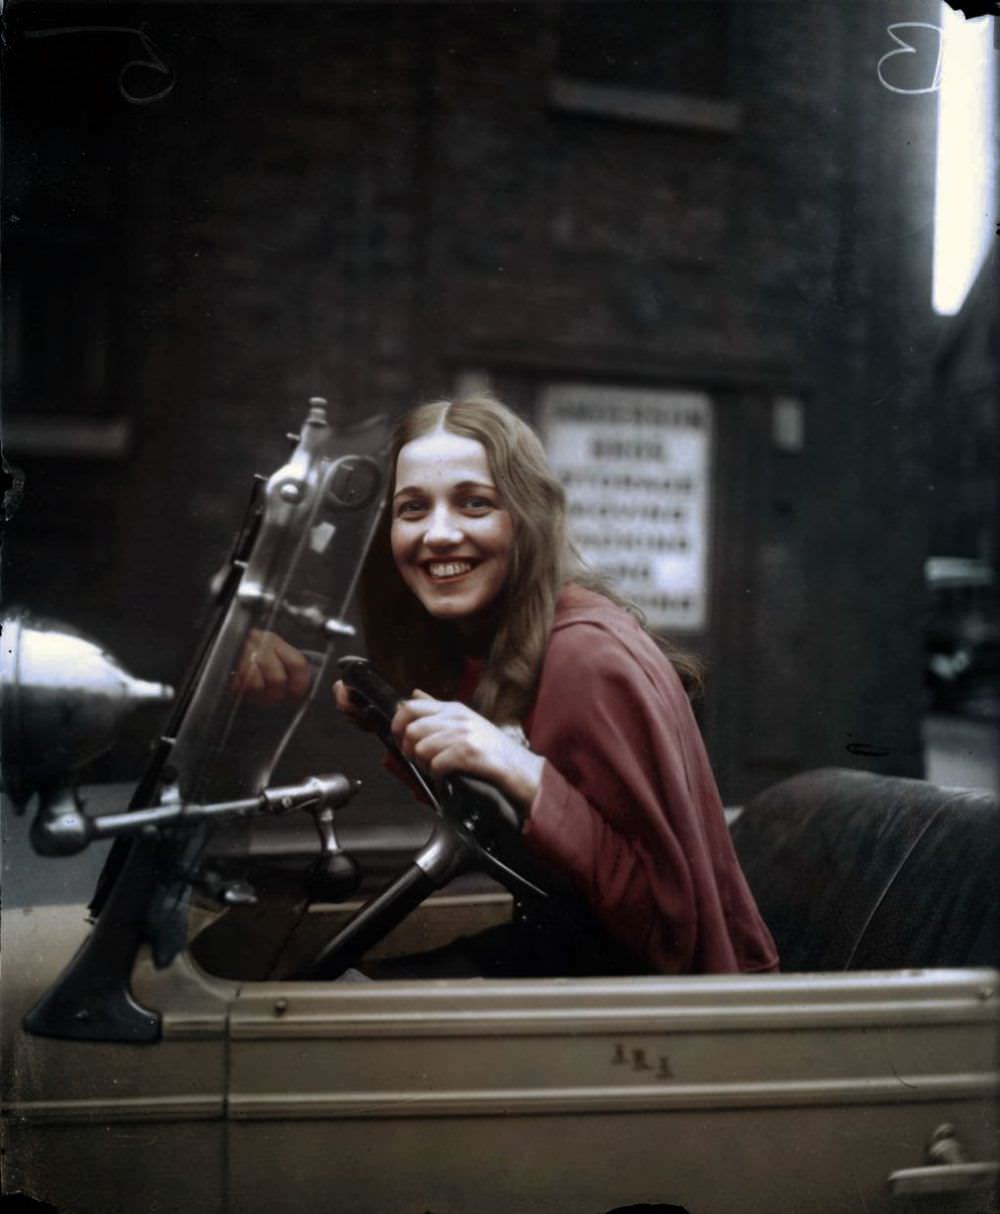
476, 829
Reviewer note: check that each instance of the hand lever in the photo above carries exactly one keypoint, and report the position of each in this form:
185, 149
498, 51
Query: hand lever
335, 875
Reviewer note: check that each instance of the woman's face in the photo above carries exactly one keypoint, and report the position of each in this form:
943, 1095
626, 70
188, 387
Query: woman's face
452, 538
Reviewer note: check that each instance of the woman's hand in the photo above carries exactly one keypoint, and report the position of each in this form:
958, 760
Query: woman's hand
443, 736
270, 671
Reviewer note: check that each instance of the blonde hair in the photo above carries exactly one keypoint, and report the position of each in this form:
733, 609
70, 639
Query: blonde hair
415, 650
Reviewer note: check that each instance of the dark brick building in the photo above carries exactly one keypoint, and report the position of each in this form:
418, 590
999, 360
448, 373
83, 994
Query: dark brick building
209, 221
966, 425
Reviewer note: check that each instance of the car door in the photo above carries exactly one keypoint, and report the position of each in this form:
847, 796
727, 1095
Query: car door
808, 1094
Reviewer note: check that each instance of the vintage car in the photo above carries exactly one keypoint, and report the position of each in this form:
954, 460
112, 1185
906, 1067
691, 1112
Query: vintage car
227, 1028
962, 642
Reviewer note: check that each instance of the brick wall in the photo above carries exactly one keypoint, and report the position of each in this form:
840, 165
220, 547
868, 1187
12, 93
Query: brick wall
362, 200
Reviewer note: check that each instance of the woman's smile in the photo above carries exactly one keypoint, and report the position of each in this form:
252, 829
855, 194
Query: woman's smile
452, 537
448, 570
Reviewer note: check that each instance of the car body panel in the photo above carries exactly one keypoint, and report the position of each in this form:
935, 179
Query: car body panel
779, 1091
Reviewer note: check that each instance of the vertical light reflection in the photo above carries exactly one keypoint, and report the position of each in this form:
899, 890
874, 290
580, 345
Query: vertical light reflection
965, 180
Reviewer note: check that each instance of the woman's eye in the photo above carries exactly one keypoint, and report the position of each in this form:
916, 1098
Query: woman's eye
479, 504
410, 508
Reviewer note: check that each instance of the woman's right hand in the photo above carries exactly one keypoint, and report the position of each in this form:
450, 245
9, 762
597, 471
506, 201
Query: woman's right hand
270, 671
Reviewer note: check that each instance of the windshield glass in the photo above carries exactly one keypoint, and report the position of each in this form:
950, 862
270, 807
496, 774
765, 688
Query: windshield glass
293, 586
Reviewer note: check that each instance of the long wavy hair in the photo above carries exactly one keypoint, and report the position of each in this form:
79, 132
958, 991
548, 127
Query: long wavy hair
415, 650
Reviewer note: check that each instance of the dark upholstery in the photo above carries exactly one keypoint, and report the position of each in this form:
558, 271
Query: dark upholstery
856, 871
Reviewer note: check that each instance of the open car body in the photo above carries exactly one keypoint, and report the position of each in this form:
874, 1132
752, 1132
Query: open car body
176, 1054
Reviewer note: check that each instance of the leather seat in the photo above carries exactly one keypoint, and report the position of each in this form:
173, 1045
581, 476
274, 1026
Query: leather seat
857, 871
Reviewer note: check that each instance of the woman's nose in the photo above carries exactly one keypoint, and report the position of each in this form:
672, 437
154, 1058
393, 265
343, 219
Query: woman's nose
442, 528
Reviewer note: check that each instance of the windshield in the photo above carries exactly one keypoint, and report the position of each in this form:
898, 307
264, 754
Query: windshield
305, 543
293, 574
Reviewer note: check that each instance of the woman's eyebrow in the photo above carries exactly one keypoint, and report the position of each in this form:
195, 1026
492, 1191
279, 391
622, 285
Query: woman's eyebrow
476, 485
461, 485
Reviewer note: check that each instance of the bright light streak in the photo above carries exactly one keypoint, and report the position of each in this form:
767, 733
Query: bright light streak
965, 203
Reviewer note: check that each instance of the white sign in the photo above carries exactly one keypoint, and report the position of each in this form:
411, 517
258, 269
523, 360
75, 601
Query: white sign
635, 465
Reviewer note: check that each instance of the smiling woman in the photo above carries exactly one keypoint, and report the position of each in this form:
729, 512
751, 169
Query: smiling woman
417, 647
478, 607
451, 536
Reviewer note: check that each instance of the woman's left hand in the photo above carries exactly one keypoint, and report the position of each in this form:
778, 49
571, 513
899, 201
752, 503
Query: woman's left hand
442, 736
270, 671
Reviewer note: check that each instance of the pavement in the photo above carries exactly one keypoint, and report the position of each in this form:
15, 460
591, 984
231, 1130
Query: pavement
962, 751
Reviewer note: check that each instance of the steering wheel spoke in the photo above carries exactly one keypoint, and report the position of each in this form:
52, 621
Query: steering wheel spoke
477, 829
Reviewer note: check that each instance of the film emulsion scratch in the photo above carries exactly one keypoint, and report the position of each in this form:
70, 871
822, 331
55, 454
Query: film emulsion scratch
906, 47
133, 85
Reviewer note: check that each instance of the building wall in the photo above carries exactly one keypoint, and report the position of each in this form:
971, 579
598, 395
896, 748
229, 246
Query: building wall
368, 201
966, 428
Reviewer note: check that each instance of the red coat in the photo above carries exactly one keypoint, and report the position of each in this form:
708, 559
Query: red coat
628, 810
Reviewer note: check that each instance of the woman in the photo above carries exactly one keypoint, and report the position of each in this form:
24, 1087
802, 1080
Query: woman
474, 596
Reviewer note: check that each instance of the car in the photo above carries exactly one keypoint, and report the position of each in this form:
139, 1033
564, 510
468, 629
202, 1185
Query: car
202, 1001
963, 636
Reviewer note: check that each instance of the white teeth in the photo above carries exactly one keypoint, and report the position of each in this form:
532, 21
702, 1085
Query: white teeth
449, 568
